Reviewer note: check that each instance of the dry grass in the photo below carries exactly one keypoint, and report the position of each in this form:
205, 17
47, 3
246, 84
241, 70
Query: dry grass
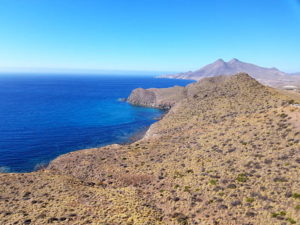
135, 180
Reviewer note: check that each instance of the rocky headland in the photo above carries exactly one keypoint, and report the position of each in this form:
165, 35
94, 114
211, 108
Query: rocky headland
227, 152
163, 98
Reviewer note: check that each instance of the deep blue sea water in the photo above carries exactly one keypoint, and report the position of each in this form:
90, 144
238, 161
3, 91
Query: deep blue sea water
44, 116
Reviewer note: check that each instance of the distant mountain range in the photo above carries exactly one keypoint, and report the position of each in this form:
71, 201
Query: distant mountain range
295, 74
268, 76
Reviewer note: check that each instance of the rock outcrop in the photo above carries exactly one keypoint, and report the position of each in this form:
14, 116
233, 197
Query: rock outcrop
227, 153
163, 98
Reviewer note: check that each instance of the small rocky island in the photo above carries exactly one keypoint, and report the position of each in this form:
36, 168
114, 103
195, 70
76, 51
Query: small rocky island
227, 152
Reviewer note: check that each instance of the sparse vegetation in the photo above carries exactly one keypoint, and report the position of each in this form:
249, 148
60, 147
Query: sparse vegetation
278, 214
291, 221
228, 156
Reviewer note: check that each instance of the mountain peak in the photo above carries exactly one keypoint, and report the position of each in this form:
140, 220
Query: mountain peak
220, 61
234, 60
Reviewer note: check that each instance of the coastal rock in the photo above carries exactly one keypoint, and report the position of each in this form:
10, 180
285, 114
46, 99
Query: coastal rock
163, 98
122, 99
142, 97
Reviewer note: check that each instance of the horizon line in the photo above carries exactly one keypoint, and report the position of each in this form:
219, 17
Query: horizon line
52, 70
46, 70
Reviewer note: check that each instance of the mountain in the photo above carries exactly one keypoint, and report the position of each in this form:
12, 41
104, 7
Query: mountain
268, 76
295, 74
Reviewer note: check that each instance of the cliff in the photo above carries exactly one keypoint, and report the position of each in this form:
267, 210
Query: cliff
226, 153
163, 98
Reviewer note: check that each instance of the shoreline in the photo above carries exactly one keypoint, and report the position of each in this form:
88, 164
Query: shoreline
142, 132
135, 137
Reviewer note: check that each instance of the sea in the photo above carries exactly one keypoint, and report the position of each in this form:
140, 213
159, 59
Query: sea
47, 115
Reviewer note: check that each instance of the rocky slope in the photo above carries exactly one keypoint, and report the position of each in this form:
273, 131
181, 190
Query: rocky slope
227, 153
166, 98
268, 76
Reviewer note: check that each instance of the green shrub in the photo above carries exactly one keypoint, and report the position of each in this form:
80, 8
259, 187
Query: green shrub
249, 200
283, 115
213, 182
291, 220
296, 195
282, 213
176, 186
187, 189
242, 178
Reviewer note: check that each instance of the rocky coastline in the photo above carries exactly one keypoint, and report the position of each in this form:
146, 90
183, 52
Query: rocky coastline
227, 152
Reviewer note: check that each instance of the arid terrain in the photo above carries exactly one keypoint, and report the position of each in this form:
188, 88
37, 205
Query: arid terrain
227, 153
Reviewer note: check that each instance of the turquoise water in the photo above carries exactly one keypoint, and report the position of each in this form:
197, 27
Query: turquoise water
42, 117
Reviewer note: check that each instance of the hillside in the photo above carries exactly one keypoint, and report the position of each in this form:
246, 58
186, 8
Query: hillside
226, 153
268, 76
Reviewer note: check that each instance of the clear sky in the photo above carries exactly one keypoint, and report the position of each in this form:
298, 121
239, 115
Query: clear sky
156, 35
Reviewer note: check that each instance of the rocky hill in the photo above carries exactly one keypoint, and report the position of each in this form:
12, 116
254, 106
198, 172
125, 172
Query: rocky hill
163, 98
268, 76
226, 153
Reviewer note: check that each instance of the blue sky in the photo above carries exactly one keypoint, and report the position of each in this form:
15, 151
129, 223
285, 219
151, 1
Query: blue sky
154, 35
